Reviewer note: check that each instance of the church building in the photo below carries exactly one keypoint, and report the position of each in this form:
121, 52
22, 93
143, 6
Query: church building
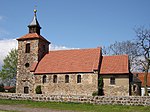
67, 72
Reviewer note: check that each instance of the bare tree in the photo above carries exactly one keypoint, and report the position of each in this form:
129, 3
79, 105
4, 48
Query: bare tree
124, 47
143, 44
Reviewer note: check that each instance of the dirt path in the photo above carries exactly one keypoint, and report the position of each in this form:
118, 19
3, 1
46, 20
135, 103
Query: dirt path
22, 108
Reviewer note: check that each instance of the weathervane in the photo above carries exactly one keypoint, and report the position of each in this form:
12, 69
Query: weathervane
35, 8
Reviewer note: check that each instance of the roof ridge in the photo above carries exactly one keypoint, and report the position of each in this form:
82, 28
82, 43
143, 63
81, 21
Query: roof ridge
74, 49
116, 55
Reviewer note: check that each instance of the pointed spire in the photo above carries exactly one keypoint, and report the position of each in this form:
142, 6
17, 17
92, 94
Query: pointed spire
34, 26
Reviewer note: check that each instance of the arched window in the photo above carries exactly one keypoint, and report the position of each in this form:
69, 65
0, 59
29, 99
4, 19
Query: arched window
78, 78
66, 78
28, 48
26, 90
55, 79
44, 79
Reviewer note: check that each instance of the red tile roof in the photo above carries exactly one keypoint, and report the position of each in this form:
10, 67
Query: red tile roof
141, 77
114, 64
8, 87
66, 61
32, 36
33, 67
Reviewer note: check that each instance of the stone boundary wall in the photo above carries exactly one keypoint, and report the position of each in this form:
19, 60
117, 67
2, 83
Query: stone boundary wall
113, 100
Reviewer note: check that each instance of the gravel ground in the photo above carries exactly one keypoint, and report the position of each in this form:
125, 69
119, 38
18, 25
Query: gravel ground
21, 108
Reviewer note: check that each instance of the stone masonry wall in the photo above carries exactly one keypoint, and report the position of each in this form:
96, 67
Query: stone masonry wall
87, 86
43, 48
25, 78
120, 88
102, 100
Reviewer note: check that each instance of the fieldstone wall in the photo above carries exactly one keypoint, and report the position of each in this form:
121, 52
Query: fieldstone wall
25, 78
88, 85
43, 48
102, 100
120, 88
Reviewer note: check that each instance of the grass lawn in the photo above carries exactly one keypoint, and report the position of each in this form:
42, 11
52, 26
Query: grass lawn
78, 107
7, 111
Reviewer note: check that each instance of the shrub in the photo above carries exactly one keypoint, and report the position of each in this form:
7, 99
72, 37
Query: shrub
100, 86
12, 90
38, 90
95, 93
2, 88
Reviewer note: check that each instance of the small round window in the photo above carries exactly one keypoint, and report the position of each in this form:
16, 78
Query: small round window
27, 65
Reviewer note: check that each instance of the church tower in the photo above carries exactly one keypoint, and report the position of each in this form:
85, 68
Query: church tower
32, 47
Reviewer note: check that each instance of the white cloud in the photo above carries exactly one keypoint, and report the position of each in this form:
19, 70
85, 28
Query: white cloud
7, 45
56, 47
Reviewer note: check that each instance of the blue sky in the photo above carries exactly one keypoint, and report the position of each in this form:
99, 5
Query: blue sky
76, 23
